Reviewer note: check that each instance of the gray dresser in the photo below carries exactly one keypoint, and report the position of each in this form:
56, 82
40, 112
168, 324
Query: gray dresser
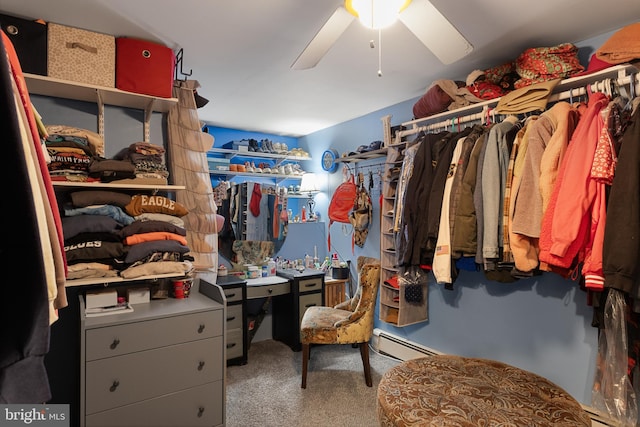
161, 365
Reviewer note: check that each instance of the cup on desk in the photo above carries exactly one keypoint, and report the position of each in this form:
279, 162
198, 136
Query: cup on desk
178, 289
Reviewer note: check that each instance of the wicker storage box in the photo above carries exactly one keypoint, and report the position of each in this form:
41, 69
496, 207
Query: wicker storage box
81, 56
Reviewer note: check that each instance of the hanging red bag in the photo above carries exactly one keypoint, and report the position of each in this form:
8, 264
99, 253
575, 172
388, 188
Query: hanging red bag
341, 204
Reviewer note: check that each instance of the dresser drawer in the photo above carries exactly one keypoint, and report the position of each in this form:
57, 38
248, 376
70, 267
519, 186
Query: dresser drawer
235, 346
137, 336
307, 301
232, 294
310, 285
134, 377
234, 317
197, 406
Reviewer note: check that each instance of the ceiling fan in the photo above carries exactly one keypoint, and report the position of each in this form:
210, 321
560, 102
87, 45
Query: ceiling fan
426, 22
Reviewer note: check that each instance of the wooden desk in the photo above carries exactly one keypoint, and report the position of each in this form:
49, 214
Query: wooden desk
334, 291
288, 295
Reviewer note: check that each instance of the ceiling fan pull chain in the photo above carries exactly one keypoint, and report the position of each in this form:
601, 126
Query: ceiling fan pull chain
379, 53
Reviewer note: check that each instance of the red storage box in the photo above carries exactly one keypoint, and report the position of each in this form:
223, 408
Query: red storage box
144, 67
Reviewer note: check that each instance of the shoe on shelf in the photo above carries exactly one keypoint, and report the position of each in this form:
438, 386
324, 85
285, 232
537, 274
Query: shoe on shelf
267, 146
248, 167
253, 143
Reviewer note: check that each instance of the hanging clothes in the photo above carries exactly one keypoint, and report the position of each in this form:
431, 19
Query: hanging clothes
547, 142
572, 228
521, 253
464, 240
457, 187
442, 256
494, 175
621, 248
35, 292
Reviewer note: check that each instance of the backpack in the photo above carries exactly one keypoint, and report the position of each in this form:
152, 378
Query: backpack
360, 216
341, 204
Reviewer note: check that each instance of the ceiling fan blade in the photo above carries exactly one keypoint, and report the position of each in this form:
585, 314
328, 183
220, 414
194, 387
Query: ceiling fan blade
324, 39
435, 31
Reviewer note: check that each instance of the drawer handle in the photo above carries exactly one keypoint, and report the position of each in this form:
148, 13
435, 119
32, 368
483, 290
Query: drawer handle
310, 305
114, 386
229, 319
270, 291
200, 365
200, 412
310, 285
231, 345
114, 344
201, 329
231, 295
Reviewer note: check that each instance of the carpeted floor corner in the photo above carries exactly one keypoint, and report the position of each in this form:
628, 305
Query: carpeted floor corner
266, 391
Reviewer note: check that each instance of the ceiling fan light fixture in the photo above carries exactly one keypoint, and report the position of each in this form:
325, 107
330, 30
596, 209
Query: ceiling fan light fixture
376, 14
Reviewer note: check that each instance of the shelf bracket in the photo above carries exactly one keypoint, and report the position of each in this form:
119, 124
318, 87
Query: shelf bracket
147, 121
100, 103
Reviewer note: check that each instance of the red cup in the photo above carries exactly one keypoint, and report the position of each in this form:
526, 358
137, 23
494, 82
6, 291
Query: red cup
178, 289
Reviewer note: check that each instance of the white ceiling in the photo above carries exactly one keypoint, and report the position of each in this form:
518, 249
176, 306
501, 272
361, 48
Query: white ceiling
240, 51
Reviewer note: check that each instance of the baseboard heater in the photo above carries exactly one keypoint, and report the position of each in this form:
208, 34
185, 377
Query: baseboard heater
399, 348
599, 419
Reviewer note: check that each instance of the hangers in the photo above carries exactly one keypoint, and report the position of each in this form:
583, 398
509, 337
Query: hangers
632, 92
179, 62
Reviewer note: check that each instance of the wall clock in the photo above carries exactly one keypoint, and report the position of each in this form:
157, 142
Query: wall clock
329, 160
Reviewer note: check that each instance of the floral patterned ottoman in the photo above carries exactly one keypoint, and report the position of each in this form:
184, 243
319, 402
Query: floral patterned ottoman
446, 390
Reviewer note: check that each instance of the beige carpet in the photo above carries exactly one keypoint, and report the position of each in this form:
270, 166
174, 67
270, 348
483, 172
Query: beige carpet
266, 391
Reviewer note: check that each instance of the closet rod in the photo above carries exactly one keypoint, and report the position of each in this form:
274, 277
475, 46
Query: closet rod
454, 122
597, 86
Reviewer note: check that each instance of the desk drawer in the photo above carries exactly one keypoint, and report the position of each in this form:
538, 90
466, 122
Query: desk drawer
307, 301
234, 317
310, 285
143, 375
137, 336
197, 406
232, 294
234, 343
262, 291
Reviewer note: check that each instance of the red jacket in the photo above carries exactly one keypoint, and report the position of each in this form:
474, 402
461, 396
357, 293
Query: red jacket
572, 228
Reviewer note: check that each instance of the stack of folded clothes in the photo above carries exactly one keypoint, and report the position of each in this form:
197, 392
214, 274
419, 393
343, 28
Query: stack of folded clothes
148, 161
108, 233
71, 151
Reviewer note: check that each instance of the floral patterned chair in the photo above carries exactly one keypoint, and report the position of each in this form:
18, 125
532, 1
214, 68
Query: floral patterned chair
350, 322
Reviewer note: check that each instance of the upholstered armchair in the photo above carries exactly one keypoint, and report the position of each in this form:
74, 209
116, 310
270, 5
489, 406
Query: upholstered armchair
350, 322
